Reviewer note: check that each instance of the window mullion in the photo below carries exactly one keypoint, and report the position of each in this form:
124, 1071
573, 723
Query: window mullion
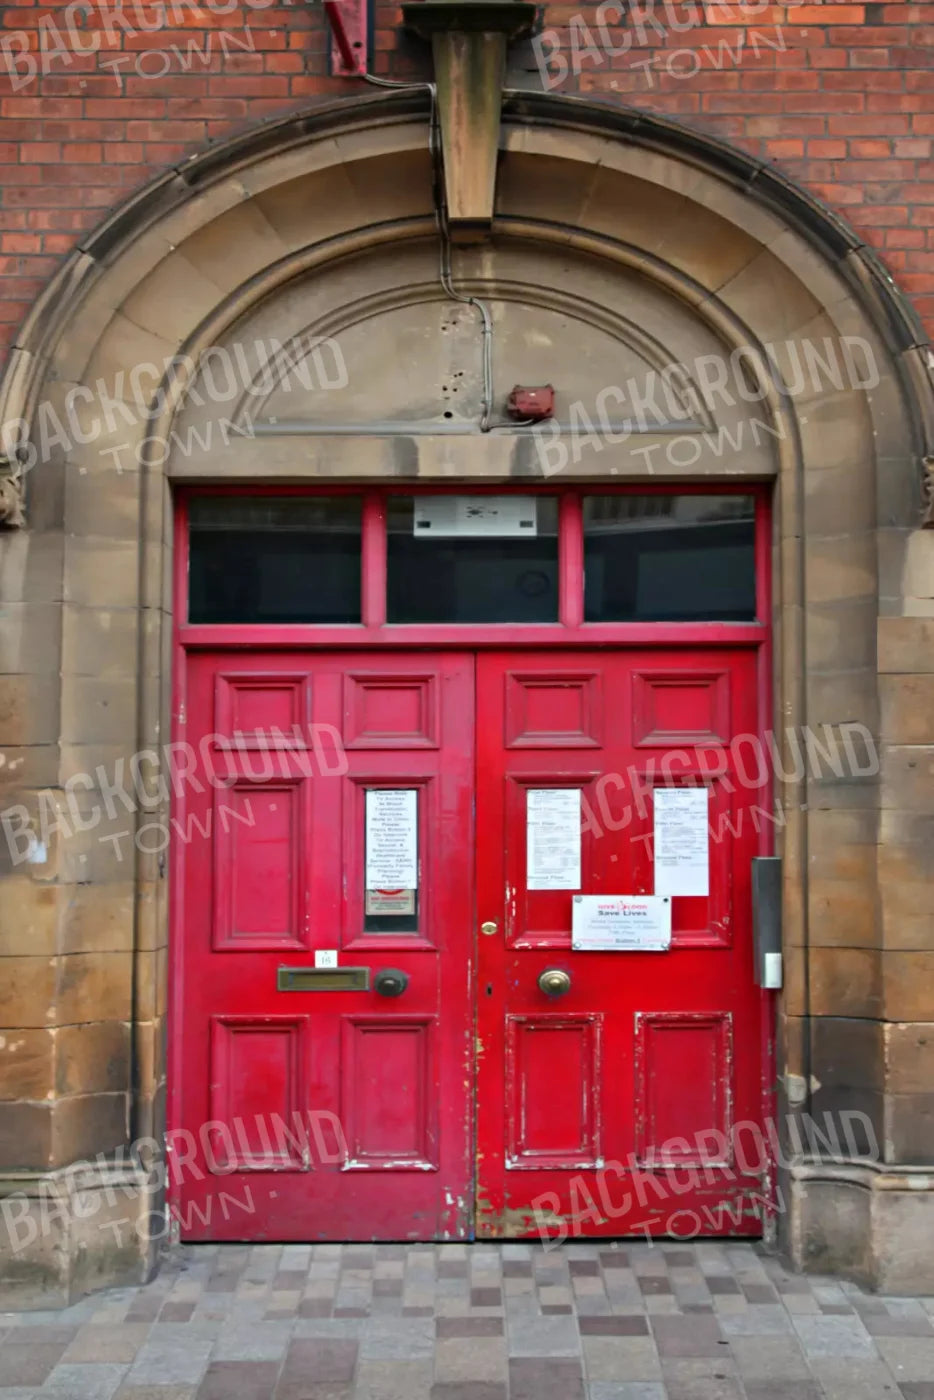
373, 560
571, 561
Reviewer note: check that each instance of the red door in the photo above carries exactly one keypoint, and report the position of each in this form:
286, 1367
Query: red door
325, 818
630, 1103
329, 1032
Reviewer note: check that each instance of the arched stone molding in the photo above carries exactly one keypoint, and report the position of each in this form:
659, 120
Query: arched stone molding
627, 239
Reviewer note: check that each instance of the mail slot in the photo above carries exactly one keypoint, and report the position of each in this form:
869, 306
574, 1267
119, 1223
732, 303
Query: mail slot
323, 979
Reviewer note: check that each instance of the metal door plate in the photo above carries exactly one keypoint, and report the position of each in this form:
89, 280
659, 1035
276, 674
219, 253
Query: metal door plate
323, 979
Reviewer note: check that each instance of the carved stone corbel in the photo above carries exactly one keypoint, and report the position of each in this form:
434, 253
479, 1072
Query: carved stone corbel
12, 515
927, 493
18, 387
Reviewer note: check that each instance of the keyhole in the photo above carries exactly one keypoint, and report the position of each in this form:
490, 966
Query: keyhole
489, 989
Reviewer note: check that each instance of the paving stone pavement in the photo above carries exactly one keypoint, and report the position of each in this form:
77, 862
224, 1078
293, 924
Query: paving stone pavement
594, 1321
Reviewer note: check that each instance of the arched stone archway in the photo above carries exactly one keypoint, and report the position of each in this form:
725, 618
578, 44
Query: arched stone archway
621, 245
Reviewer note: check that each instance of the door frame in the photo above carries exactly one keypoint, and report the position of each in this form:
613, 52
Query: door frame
375, 634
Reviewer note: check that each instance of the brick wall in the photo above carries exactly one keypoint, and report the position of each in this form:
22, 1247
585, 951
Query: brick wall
96, 100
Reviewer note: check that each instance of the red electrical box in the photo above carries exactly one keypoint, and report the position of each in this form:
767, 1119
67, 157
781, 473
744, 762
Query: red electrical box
533, 403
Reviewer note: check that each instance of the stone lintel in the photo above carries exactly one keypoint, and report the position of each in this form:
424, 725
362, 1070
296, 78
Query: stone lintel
514, 458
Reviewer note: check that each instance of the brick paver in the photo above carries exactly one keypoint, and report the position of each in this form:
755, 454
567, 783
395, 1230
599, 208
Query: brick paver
595, 1321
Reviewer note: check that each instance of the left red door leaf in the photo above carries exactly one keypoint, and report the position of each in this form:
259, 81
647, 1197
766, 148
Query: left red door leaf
300, 1111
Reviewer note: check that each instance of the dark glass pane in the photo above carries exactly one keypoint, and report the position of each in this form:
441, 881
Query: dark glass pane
669, 559
439, 575
392, 923
274, 559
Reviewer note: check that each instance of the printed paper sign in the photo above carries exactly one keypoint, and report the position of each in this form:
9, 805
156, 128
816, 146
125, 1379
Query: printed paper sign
390, 902
621, 923
682, 841
553, 839
391, 839
468, 516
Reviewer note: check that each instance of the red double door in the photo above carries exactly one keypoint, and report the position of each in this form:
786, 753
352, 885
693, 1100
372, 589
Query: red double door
380, 1027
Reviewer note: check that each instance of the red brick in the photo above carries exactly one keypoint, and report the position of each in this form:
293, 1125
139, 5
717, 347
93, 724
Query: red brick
122, 153
905, 238
912, 146
829, 150
283, 63
854, 125
825, 14
808, 172
780, 82
734, 14
872, 58
847, 80
828, 58
786, 150
883, 36
889, 102
839, 195
786, 125
82, 152
869, 150
20, 243
39, 150
869, 170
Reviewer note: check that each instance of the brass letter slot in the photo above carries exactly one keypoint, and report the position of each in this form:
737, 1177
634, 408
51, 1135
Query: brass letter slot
323, 979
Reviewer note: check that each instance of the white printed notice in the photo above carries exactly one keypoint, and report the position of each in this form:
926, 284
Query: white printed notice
553, 839
682, 841
391, 839
622, 923
469, 516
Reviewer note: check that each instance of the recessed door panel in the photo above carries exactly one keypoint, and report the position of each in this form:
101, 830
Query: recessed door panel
389, 1106
261, 844
258, 1099
684, 1087
262, 711
552, 1074
384, 711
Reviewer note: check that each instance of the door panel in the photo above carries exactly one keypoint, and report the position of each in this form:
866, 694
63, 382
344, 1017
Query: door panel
607, 1109
328, 1115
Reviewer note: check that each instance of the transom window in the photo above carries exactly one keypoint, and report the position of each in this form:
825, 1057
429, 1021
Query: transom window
405, 558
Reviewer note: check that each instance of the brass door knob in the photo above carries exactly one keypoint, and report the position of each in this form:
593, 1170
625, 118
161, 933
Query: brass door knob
554, 982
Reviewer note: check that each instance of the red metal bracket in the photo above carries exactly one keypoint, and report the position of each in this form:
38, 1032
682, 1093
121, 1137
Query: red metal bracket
349, 24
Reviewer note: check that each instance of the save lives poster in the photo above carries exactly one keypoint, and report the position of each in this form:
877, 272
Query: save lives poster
621, 923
